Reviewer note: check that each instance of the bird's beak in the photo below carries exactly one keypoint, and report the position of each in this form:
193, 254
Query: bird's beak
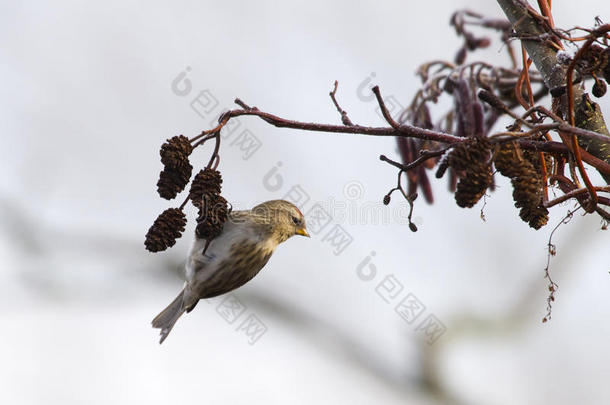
302, 232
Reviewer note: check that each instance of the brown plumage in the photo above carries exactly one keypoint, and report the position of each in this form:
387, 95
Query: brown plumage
247, 241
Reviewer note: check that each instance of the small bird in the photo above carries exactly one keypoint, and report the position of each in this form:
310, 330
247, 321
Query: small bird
234, 257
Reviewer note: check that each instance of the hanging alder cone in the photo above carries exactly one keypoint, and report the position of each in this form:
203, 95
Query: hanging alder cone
508, 159
206, 182
599, 88
471, 161
534, 158
213, 208
536, 217
527, 193
524, 170
177, 168
173, 180
165, 230
471, 188
176, 151
212, 216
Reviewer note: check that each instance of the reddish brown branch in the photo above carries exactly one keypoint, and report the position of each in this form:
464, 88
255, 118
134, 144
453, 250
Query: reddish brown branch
384, 109
570, 96
401, 130
344, 118
410, 131
573, 194
425, 155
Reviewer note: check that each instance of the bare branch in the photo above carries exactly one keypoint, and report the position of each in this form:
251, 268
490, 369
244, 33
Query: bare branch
528, 27
344, 118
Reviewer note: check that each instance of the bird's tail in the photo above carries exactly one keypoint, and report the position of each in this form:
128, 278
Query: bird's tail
168, 317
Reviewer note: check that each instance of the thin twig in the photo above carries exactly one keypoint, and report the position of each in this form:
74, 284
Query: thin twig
573, 194
552, 251
384, 109
425, 155
344, 118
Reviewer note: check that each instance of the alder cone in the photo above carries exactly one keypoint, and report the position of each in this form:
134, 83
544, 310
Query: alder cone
524, 169
536, 217
207, 183
471, 161
508, 159
212, 216
469, 154
527, 193
173, 180
527, 186
534, 158
175, 152
165, 230
177, 169
599, 88
472, 187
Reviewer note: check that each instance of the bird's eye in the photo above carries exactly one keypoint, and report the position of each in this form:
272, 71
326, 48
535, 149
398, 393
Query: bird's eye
296, 221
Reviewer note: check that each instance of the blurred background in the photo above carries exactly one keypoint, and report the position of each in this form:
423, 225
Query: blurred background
363, 312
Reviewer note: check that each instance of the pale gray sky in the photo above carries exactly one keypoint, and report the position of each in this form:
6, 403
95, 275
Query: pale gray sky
87, 101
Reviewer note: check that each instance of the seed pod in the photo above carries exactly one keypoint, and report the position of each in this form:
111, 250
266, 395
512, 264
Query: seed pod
508, 159
527, 187
173, 180
599, 88
165, 230
525, 171
386, 199
536, 217
592, 60
469, 153
175, 152
206, 182
527, 193
212, 216
470, 161
534, 158
472, 187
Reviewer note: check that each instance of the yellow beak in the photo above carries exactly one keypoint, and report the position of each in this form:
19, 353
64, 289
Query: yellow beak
302, 232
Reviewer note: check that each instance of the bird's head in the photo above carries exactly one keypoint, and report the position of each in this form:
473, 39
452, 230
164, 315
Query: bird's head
283, 219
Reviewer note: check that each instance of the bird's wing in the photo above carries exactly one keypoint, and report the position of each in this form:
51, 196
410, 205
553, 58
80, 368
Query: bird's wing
201, 266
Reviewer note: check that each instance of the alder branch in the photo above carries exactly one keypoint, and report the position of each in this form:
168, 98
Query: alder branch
410, 131
333, 96
531, 30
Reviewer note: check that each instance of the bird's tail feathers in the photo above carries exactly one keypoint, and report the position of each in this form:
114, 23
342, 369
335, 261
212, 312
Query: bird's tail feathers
168, 317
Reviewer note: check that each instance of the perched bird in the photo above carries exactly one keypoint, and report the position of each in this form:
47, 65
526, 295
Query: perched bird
234, 257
